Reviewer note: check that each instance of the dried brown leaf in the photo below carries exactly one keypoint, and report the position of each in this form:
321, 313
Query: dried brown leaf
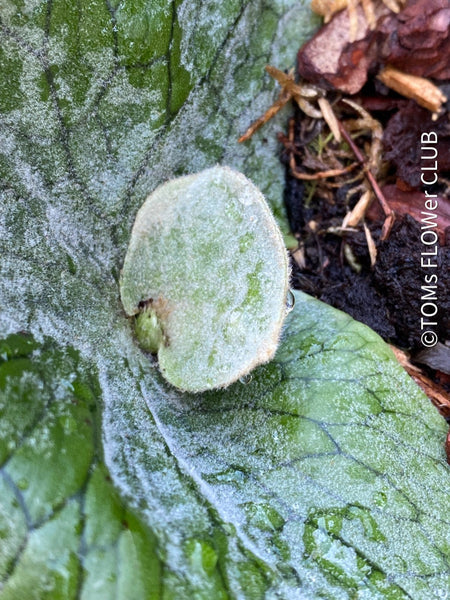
412, 203
330, 60
416, 41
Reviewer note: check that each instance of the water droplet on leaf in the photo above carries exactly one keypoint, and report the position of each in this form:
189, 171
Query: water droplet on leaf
290, 301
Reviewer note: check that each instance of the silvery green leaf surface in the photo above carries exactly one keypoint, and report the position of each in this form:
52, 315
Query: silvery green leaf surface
323, 477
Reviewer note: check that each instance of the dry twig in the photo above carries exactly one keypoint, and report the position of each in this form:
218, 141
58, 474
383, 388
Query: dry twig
389, 213
303, 94
282, 99
352, 218
323, 174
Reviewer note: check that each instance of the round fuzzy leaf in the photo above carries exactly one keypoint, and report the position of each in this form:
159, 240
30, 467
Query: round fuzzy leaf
208, 270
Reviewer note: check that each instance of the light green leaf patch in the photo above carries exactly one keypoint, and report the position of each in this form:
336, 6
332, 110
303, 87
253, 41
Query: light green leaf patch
64, 532
330, 462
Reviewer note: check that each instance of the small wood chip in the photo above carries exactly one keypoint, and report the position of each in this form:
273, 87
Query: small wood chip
330, 118
419, 89
370, 245
299, 256
352, 218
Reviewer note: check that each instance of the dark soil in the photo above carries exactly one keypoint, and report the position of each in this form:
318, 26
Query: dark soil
377, 275
387, 296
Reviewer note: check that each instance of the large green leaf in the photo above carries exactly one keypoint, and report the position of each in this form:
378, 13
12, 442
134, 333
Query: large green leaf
323, 477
